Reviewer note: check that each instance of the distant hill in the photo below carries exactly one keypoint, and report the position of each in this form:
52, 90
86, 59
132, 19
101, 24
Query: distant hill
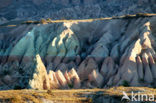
72, 9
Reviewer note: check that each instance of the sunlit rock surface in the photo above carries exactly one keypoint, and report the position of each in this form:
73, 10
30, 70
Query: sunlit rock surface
79, 54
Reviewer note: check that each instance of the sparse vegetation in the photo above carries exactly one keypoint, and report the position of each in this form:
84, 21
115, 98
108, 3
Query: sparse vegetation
141, 80
125, 83
70, 85
48, 20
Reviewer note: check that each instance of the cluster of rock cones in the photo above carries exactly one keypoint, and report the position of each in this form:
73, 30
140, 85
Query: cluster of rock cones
79, 54
56, 80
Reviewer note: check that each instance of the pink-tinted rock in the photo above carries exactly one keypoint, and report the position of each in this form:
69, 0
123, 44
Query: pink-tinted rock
67, 77
61, 79
74, 76
108, 69
96, 78
86, 67
54, 83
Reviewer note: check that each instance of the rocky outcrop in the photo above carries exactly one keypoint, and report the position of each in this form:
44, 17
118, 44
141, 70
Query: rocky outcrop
80, 54
52, 80
40, 78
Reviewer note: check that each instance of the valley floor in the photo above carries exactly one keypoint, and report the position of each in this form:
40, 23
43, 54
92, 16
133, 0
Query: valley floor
111, 95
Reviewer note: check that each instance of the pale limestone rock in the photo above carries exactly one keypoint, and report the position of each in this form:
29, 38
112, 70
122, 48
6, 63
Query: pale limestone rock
54, 83
130, 73
147, 39
40, 78
61, 79
96, 78
67, 77
74, 76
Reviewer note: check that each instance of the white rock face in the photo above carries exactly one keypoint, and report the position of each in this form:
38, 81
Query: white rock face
54, 83
61, 78
40, 78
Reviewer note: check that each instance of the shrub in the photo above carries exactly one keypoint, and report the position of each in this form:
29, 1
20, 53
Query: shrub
125, 83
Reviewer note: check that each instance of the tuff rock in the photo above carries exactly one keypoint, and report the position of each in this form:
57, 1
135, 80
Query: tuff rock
79, 54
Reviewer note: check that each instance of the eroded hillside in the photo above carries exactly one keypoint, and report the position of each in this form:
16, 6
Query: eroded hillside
74, 54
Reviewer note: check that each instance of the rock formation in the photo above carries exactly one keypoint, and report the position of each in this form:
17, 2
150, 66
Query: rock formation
79, 54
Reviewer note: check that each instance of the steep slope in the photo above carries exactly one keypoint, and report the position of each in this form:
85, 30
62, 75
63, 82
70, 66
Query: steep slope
79, 54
